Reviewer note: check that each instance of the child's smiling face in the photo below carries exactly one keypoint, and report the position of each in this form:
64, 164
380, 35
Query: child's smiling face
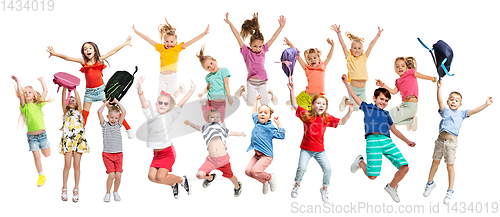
400, 67
210, 65
381, 101
256, 46
29, 93
72, 103
163, 104
88, 51
113, 117
313, 59
357, 49
169, 41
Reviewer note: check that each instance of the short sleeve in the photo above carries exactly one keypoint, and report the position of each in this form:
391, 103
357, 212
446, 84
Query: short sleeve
363, 106
178, 47
159, 47
389, 119
244, 50
300, 111
442, 112
464, 114
255, 118
265, 48
224, 73
333, 121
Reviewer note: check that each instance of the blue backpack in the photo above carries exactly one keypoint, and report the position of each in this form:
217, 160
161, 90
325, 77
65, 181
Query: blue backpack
288, 59
442, 56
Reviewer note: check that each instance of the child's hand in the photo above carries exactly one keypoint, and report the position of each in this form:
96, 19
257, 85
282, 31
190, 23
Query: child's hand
40, 79
133, 27
330, 41
336, 28
489, 100
276, 119
14, 78
282, 21
439, 83
379, 82
206, 30
411, 144
290, 86
230, 100
50, 50
287, 42
351, 107
114, 101
258, 97
379, 31
243, 134
344, 78
138, 84
127, 41
200, 95
227, 18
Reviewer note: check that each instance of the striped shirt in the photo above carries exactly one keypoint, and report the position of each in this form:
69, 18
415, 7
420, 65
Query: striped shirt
212, 130
112, 138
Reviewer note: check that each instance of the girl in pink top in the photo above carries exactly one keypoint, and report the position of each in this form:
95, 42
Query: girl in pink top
315, 73
254, 56
405, 113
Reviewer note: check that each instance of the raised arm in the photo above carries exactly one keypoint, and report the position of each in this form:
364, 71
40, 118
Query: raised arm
344, 48
141, 93
425, 77
64, 57
401, 136
351, 92
78, 101
235, 32
149, 40
226, 86
439, 97
19, 91
188, 94
44, 87
301, 61
293, 99
480, 108
330, 54
369, 49
63, 101
382, 84
116, 49
232, 133
282, 21
122, 109
256, 104
99, 112
196, 127
195, 39
347, 115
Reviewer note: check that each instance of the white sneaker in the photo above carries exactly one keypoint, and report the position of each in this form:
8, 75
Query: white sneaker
240, 90
428, 188
324, 195
273, 183
274, 98
265, 188
295, 190
449, 195
107, 197
393, 192
355, 165
413, 124
130, 133
288, 103
343, 103
116, 196
408, 127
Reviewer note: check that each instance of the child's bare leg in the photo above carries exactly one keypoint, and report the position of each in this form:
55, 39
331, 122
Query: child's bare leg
118, 180
38, 161
234, 180
203, 175
67, 166
451, 175
434, 168
152, 174
362, 164
165, 178
77, 157
109, 181
46, 152
400, 174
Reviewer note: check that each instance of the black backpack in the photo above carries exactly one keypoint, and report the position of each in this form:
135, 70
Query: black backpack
119, 84
442, 56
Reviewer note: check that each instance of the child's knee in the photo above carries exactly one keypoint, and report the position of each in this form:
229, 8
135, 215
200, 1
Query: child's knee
404, 169
372, 177
111, 175
201, 175
152, 177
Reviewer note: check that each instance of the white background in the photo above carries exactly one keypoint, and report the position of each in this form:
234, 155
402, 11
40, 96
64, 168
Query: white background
468, 28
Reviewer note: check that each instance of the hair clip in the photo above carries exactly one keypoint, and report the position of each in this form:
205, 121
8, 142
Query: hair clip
164, 93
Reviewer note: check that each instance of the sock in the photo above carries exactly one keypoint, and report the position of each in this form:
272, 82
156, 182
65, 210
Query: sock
389, 185
125, 124
182, 182
430, 183
40, 173
85, 115
451, 190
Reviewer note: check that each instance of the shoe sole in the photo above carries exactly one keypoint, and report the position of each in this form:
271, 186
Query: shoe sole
386, 189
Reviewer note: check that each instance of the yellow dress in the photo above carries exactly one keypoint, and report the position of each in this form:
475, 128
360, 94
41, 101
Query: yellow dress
73, 137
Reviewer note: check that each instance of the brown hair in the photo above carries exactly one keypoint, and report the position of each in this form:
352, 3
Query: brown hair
384, 91
97, 54
354, 38
114, 108
202, 57
311, 115
251, 27
410, 62
311, 50
457, 93
271, 111
166, 29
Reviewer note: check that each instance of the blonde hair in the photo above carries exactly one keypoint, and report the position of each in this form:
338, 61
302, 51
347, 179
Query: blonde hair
211, 112
354, 38
114, 108
166, 29
202, 57
37, 99
170, 99
410, 62
311, 50
251, 27
271, 111
311, 115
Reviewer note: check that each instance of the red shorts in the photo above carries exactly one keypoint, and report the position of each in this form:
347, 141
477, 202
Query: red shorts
164, 158
113, 162
220, 163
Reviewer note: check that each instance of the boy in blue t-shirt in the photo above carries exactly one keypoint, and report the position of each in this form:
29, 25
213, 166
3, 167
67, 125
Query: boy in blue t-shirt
446, 143
378, 122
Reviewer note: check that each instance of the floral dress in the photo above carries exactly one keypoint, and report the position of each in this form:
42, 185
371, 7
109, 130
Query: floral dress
73, 137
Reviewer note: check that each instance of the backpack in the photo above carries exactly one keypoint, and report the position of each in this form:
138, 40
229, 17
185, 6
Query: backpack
443, 54
66, 80
118, 85
288, 59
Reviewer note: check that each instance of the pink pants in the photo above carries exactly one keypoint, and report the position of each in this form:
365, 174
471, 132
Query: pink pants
257, 165
212, 104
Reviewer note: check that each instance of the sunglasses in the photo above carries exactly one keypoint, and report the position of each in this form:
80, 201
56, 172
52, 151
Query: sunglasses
163, 103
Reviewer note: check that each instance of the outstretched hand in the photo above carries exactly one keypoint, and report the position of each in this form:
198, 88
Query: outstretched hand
138, 84
335, 28
227, 18
411, 144
344, 78
329, 41
14, 78
379, 82
282, 21
129, 38
489, 100
290, 86
379, 31
50, 50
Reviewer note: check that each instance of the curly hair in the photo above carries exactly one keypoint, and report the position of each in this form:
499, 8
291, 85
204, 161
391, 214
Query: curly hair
354, 38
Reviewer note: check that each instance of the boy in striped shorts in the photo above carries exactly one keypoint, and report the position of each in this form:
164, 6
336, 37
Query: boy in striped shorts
378, 122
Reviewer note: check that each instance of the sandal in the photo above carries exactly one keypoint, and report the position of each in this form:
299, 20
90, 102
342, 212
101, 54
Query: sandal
64, 195
76, 197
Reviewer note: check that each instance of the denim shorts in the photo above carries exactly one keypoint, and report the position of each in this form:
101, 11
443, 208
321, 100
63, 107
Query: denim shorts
38, 142
94, 94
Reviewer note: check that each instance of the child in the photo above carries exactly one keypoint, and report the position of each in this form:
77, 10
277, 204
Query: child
407, 85
30, 104
254, 57
378, 141
446, 143
356, 65
262, 141
160, 126
215, 136
73, 142
217, 86
112, 153
169, 56
315, 73
92, 66
315, 122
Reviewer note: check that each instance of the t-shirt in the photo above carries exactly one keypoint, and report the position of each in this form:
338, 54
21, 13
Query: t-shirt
314, 131
315, 78
255, 62
93, 74
452, 120
407, 84
263, 135
376, 120
212, 130
217, 88
112, 138
33, 115
169, 57
160, 127
356, 67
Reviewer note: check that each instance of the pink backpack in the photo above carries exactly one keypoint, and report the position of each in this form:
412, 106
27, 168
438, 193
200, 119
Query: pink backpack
66, 80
